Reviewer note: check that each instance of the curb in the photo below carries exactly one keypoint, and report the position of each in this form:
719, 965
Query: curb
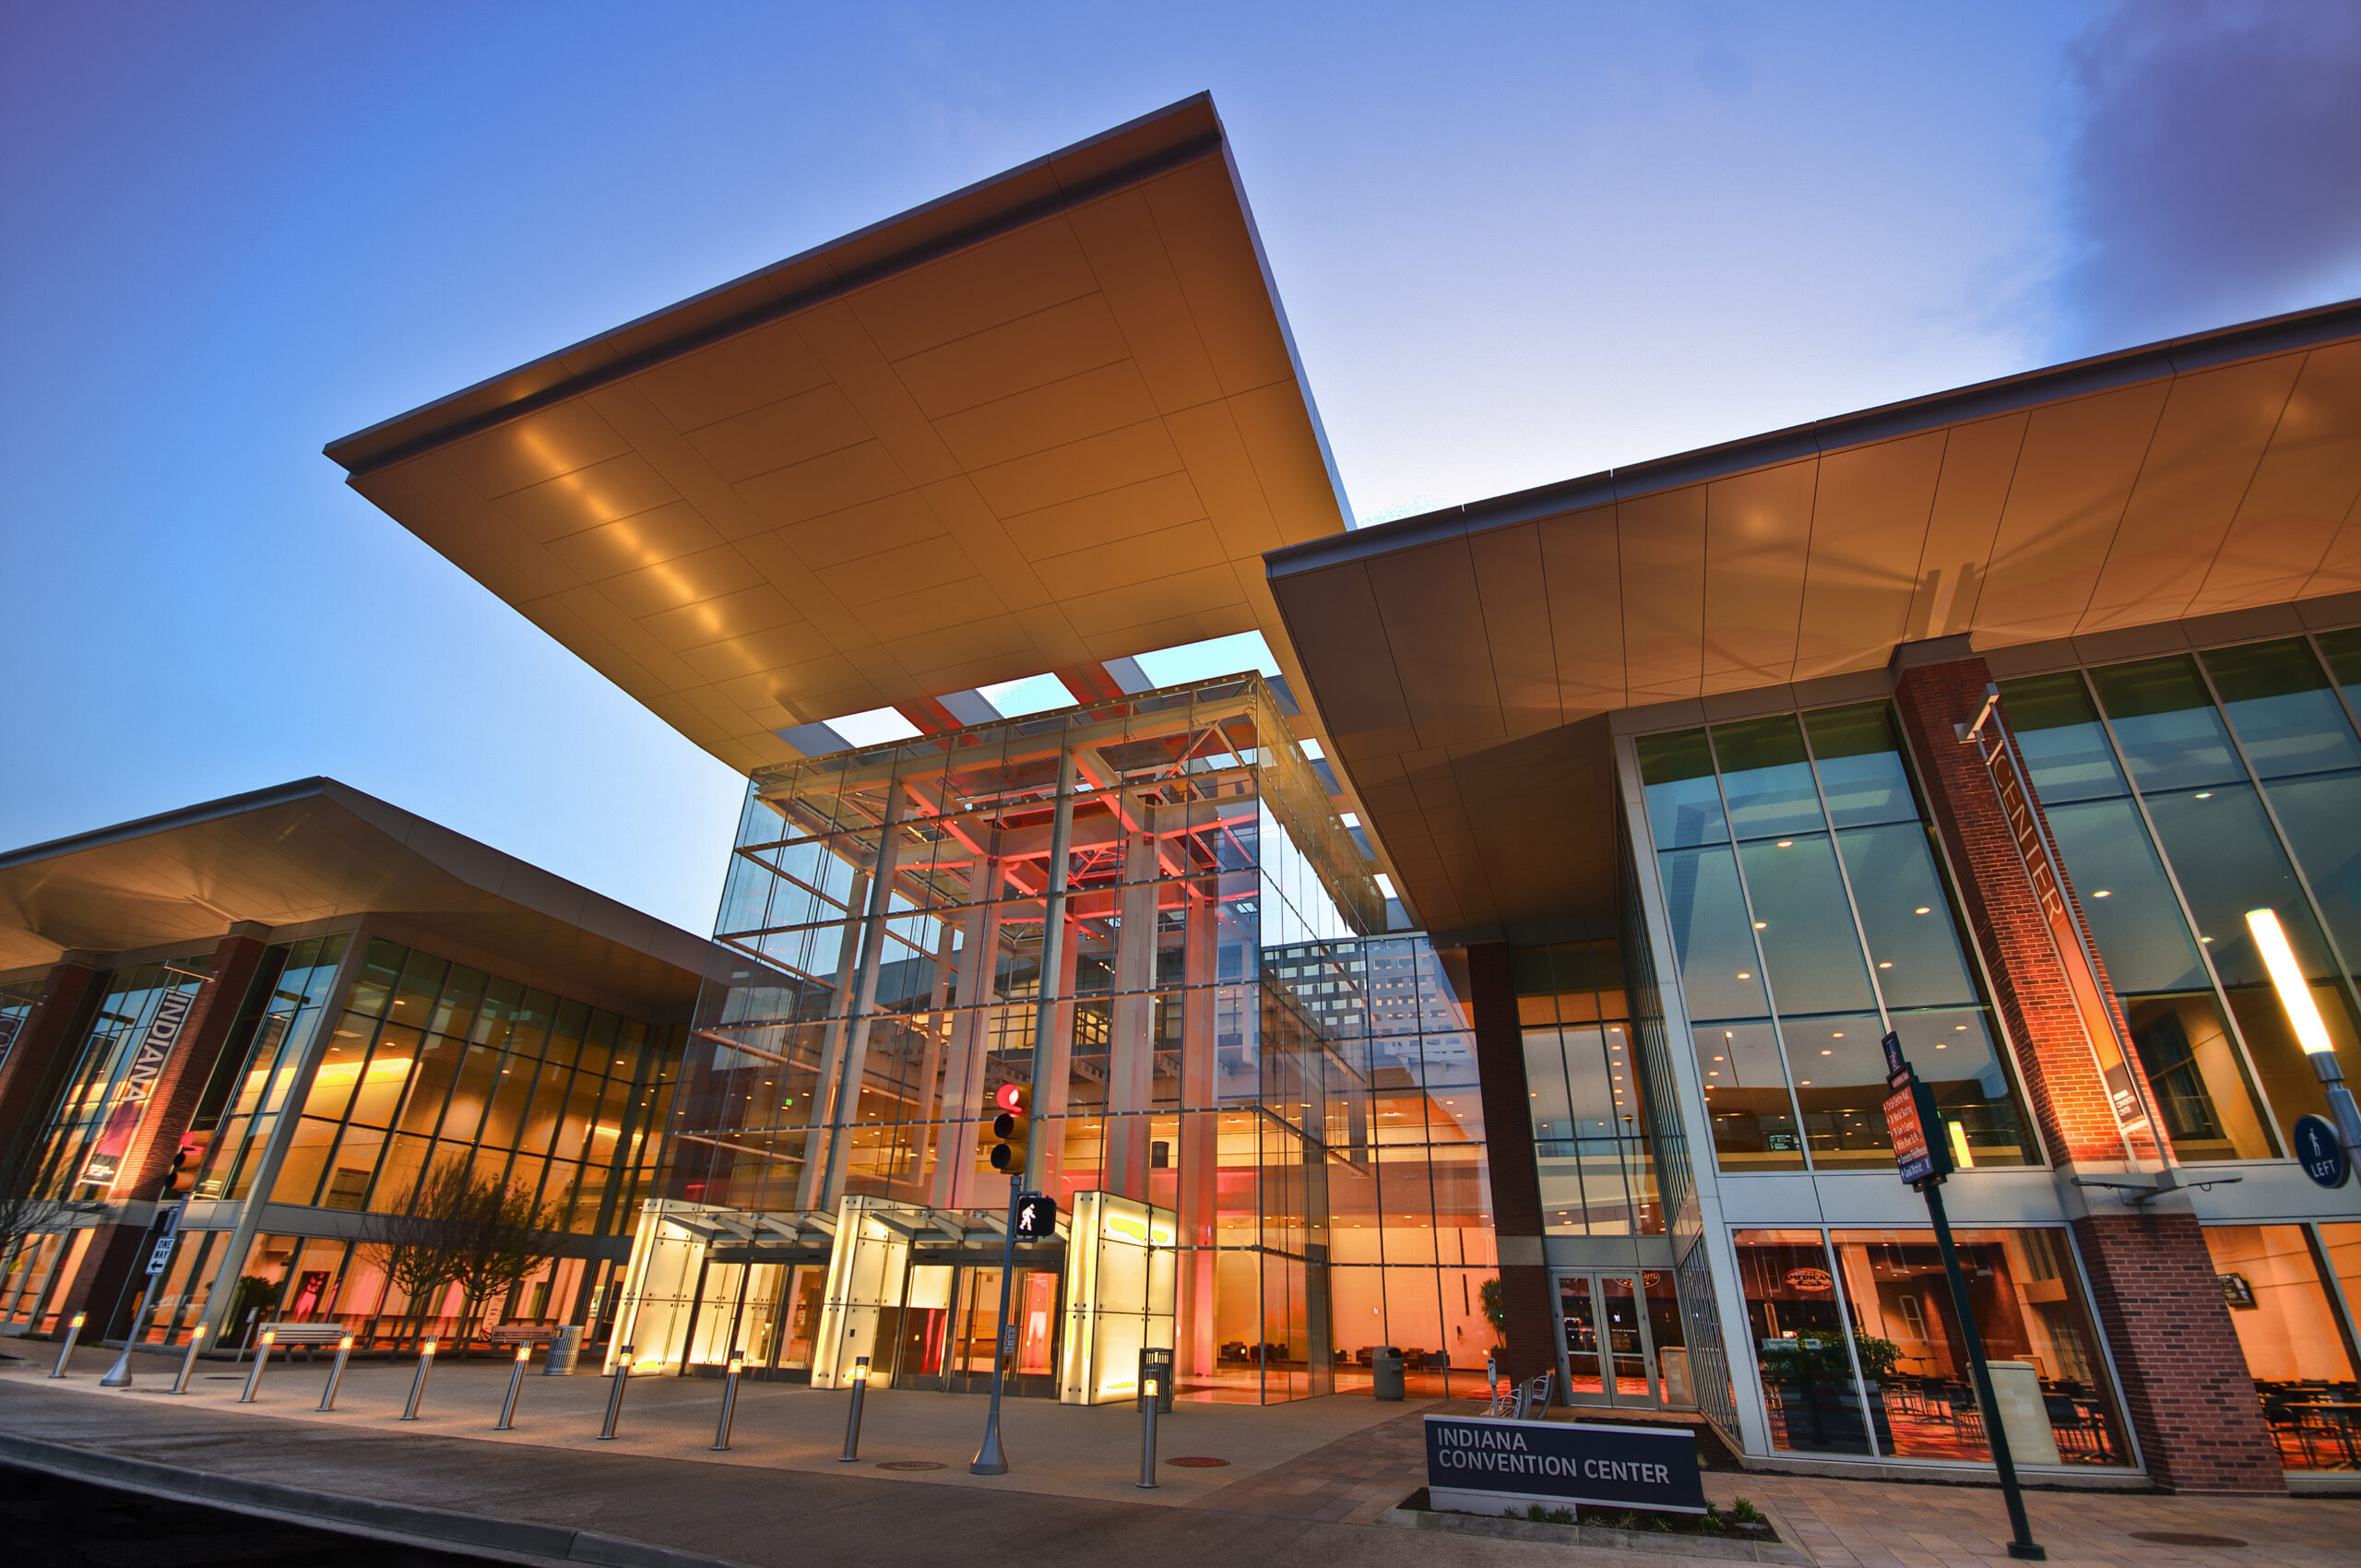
406, 1523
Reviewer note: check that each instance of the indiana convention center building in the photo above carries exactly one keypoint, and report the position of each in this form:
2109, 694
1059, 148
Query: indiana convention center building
1494, 962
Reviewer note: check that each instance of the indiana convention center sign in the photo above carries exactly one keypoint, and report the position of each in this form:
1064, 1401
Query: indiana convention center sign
1475, 1464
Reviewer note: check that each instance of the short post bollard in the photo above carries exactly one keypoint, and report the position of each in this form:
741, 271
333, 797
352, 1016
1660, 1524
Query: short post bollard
852, 1417
336, 1372
1156, 1373
188, 1362
515, 1381
418, 1383
73, 1332
615, 1394
728, 1400
262, 1359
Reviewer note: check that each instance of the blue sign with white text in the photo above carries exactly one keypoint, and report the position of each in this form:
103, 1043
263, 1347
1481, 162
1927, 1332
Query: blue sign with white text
2320, 1152
1477, 1463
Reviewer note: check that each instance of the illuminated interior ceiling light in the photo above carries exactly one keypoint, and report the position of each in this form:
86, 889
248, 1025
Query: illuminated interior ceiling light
2203, 795
2295, 992
2103, 893
1922, 909
1762, 925
1786, 843
1745, 974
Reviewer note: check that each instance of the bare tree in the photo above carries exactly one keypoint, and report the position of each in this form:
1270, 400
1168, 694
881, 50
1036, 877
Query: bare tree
418, 1250
480, 1234
507, 1237
25, 1211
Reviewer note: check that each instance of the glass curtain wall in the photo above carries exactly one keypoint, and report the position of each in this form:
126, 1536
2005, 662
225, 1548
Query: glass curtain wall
2185, 791
884, 918
1584, 1088
18, 1000
1401, 1157
430, 1064
1811, 912
74, 1155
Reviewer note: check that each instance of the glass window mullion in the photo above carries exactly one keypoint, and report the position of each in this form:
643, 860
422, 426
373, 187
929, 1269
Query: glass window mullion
2262, 793
2188, 918
1769, 994
1845, 877
2006, 1047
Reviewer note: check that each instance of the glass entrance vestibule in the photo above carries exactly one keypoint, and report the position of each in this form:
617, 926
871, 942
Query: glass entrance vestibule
1620, 1341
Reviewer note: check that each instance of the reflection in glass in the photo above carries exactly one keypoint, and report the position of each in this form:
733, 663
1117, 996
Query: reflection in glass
2279, 1304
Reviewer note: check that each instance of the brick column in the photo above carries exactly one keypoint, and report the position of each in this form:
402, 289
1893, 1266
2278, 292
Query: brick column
171, 1104
1531, 1332
29, 1078
2185, 1382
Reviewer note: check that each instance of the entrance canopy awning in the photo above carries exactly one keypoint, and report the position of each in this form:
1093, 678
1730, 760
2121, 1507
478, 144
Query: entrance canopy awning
1462, 660
1051, 420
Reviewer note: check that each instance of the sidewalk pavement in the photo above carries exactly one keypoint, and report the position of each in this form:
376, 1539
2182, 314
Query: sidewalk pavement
1304, 1483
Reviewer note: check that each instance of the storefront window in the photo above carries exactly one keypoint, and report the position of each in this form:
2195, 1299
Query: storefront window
2296, 1353
1877, 1304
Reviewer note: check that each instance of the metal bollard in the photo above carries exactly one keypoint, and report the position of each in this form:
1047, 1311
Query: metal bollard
336, 1372
73, 1332
729, 1401
615, 1396
515, 1381
188, 1362
1151, 1400
418, 1383
852, 1417
253, 1378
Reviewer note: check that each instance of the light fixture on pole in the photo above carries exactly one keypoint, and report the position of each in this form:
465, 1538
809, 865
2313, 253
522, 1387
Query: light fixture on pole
2304, 1017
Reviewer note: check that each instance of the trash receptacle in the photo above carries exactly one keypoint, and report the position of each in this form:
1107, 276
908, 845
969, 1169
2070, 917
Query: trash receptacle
1386, 1366
562, 1351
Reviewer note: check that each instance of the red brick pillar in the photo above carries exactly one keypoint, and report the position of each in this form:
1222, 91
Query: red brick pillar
2184, 1377
171, 1104
106, 1284
1531, 1332
29, 1080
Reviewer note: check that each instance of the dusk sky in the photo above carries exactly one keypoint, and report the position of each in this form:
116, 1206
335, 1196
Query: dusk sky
1515, 242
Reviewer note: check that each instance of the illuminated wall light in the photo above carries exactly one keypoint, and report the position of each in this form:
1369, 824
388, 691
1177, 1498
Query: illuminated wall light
2294, 993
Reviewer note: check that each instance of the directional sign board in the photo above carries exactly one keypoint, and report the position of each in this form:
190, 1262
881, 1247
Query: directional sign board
167, 1230
2320, 1152
1911, 1156
1036, 1217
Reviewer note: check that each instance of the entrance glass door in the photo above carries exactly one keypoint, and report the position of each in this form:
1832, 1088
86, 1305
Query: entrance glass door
1604, 1329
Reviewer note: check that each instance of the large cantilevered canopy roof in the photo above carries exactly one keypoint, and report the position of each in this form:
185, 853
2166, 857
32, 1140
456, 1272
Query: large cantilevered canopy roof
1052, 420
317, 850
1462, 660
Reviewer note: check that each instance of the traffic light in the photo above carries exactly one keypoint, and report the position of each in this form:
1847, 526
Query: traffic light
1013, 1127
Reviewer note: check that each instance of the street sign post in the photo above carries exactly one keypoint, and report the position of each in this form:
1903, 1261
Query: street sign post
162, 1232
1922, 1156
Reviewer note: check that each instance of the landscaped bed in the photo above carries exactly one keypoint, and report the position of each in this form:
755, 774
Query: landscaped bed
1741, 1532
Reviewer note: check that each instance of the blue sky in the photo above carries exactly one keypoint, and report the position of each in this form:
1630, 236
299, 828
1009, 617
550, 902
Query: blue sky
1516, 242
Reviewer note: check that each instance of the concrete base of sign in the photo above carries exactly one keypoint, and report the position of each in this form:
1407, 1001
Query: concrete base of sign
1601, 1538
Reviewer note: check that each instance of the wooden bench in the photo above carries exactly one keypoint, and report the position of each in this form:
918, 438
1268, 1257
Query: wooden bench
287, 1335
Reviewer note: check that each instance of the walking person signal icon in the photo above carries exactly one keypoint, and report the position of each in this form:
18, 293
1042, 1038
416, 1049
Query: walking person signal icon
1036, 1217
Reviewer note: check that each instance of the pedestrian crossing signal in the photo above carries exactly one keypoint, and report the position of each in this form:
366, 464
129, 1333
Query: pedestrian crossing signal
1013, 1128
1036, 1217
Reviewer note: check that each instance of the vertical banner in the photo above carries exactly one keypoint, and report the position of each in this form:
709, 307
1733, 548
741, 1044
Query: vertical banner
1999, 755
147, 1060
